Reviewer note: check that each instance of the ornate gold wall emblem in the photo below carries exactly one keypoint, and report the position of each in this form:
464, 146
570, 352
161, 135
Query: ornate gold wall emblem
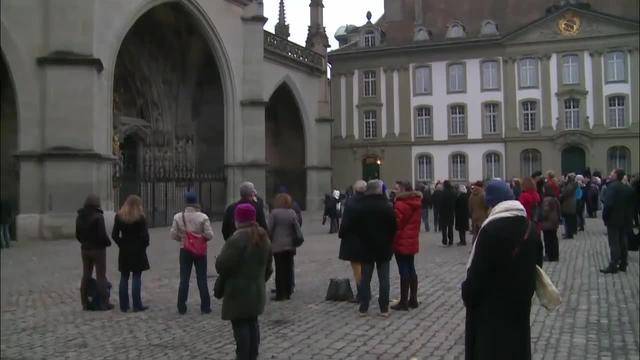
569, 24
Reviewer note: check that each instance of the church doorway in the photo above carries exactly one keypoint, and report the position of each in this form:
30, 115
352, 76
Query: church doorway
168, 92
573, 160
9, 171
285, 147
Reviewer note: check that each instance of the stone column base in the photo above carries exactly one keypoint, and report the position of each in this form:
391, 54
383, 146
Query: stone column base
318, 184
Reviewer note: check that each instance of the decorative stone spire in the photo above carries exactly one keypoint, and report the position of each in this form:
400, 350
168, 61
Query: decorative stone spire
317, 36
282, 29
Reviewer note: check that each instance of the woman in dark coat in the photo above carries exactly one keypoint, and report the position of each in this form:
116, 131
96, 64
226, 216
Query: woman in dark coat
245, 263
131, 234
501, 280
350, 244
462, 215
447, 213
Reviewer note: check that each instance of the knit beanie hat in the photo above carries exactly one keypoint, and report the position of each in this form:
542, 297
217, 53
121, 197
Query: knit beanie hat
496, 192
245, 213
190, 198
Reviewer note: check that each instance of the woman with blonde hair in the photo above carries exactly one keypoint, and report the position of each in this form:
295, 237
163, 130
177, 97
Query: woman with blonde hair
131, 234
283, 231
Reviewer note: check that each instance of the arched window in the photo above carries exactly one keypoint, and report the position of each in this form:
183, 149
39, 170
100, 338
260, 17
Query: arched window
619, 157
455, 30
488, 28
459, 167
425, 168
370, 39
530, 162
492, 166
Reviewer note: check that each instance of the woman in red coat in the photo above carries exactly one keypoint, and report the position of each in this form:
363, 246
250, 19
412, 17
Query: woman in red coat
408, 207
530, 199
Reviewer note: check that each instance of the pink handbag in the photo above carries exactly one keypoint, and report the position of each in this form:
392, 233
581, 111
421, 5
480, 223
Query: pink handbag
194, 243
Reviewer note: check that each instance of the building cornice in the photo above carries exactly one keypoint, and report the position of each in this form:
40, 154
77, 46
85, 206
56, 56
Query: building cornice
68, 58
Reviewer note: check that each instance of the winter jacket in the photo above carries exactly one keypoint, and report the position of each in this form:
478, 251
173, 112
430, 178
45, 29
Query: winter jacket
568, 198
350, 243
498, 290
133, 240
550, 213
462, 212
531, 201
477, 207
229, 223
408, 210
283, 228
373, 221
90, 229
426, 199
245, 268
618, 205
554, 186
197, 222
447, 207
436, 199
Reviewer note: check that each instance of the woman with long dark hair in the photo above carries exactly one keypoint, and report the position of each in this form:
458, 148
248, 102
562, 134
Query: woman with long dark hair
245, 265
131, 234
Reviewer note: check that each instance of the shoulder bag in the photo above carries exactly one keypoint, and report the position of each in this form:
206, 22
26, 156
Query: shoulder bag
298, 238
194, 243
547, 293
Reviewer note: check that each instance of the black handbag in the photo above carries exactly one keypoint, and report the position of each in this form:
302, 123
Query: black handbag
298, 238
218, 287
339, 290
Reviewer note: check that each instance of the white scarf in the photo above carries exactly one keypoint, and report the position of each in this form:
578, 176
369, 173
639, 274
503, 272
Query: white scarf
510, 208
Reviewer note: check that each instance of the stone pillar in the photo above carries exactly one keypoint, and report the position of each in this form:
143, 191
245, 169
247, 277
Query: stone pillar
250, 162
75, 156
547, 97
404, 92
510, 100
598, 100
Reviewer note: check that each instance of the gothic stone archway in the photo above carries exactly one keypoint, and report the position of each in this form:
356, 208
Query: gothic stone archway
285, 146
169, 107
9, 171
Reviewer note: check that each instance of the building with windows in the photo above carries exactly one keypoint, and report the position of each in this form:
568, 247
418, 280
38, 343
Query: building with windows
491, 88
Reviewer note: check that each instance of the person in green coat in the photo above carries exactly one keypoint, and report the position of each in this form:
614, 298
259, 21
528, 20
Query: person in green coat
245, 264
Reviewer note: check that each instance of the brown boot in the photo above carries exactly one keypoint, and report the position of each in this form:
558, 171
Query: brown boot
413, 286
404, 292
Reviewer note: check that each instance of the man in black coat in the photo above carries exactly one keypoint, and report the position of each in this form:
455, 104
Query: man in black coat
447, 213
436, 202
373, 221
617, 215
350, 244
248, 194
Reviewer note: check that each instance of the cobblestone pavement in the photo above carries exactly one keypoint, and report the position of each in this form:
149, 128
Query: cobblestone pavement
41, 317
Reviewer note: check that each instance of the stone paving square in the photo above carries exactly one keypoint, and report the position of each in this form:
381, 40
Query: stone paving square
42, 319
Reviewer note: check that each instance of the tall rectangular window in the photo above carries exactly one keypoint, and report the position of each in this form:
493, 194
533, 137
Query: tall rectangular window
491, 118
423, 80
456, 78
370, 125
457, 120
369, 83
370, 39
458, 167
490, 75
570, 69
572, 114
423, 121
616, 66
493, 168
425, 168
529, 116
528, 72
616, 112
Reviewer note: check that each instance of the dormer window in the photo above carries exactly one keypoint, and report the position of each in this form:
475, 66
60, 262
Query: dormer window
488, 28
455, 30
370, 39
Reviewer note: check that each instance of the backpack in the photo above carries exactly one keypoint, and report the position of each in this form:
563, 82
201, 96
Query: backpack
634, 240
339, 290
94, 301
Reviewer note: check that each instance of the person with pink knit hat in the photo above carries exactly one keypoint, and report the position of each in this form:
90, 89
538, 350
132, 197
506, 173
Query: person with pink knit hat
244, 265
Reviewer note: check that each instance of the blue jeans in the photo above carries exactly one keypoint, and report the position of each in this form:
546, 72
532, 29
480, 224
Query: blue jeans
5, 236
364, 288
425, 218
187, 262
247, 335
136, 285
406, 266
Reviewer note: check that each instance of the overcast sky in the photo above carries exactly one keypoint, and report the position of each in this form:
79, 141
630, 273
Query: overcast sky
336, 14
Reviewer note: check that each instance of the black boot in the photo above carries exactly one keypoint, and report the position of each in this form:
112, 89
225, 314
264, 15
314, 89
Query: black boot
404, 292
611, 269
413, 287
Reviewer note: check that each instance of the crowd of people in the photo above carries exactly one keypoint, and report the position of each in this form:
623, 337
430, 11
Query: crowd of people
506, 221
